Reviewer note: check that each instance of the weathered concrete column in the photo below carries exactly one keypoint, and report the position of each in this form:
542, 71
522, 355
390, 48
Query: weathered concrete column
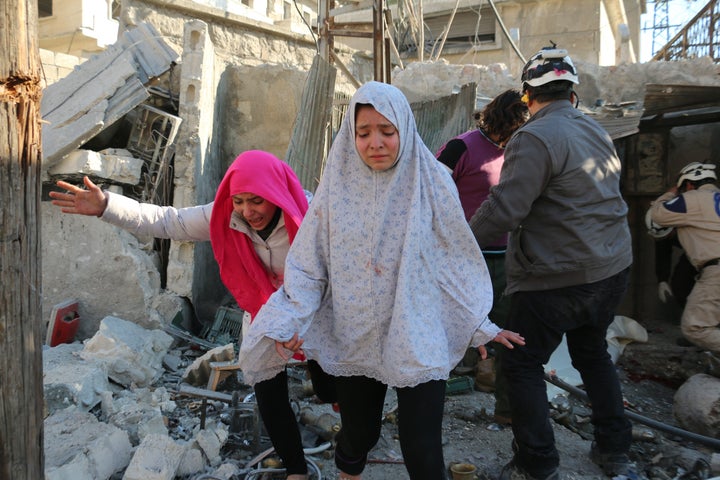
192, 271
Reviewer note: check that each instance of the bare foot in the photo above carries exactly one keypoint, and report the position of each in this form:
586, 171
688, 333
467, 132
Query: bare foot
297, 476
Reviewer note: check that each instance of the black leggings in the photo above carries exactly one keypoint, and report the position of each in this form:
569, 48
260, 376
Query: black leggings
280, 423
420, 413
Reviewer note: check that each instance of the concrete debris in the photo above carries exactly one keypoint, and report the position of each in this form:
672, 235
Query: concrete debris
157, 458
696, 405
161, 431
116, 164
101, 90
139, 412
76, 380
131, 354
172, 362
423, 81
68, 380
79, 447
209, 442
78, 251
599, 85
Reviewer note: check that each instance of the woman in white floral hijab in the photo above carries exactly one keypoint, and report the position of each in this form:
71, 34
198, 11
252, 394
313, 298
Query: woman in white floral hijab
384, 286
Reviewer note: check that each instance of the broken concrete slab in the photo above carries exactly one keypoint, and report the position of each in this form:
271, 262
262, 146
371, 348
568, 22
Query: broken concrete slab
140, 412
156, 458
131, 354
101, 90
70, 381
192, 462
116, 164
206, 445
80, 447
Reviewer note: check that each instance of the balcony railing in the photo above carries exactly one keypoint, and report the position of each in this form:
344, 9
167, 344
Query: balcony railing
699, 38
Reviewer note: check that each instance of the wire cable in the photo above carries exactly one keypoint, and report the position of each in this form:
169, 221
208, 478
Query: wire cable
312, 34
707, 441
505, 31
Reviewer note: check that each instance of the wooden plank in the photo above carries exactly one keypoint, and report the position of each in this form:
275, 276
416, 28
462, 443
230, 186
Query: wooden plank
191, 391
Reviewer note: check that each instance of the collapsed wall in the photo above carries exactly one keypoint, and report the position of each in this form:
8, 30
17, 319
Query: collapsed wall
611, 85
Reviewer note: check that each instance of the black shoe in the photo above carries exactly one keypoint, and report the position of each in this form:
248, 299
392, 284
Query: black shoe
612, 464
513, 471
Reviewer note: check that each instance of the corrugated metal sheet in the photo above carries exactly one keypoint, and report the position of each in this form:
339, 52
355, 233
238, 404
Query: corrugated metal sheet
440, 120
308, 144
618, 120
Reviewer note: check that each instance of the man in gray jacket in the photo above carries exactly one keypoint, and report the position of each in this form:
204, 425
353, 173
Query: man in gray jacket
567, 265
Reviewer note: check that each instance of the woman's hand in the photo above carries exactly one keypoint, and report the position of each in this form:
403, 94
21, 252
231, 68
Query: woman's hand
80, 201
505, 337
293, 345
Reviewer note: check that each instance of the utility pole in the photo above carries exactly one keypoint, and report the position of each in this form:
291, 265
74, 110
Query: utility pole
661, 25
21, 394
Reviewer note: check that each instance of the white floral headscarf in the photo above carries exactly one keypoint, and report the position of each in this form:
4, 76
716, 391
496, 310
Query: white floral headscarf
384, 278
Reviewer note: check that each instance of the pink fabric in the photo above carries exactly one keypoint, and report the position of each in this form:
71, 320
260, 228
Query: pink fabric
242, 272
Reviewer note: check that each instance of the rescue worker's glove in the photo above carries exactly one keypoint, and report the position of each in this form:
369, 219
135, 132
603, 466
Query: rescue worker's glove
664, 292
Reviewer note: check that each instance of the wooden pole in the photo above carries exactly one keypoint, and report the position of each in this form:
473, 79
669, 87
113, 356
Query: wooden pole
378, 43
325, 40
421, 32
21, 393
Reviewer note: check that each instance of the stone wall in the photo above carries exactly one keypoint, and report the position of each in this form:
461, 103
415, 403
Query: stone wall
57, 65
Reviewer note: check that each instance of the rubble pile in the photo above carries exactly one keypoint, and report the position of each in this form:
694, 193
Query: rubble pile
131, 403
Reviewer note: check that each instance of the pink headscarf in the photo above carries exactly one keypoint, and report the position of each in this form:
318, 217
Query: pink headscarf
264, 175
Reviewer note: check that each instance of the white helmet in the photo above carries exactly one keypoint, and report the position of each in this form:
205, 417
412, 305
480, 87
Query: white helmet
655, 230
695, 172
549, 65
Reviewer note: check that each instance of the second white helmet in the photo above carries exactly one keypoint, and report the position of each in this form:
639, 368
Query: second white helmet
695, 172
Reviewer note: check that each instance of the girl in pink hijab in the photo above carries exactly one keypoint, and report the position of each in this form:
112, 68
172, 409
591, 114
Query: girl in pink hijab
256, 214
257, 211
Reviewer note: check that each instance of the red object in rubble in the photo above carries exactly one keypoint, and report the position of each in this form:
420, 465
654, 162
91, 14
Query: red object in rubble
64, 323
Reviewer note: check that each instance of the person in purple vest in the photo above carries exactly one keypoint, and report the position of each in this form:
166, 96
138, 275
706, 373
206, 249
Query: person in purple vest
475, 158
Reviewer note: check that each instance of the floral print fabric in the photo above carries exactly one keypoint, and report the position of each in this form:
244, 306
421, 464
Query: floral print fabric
384, 278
